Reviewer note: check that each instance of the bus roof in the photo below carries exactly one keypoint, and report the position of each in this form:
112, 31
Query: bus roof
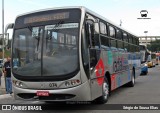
82, 8
109, 21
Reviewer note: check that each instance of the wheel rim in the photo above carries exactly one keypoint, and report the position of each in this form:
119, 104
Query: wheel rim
105, 90
133, 80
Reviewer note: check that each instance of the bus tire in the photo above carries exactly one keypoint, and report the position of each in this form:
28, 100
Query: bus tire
132, 82
105, 93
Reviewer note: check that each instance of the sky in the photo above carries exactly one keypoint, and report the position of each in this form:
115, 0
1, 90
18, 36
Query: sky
114, 10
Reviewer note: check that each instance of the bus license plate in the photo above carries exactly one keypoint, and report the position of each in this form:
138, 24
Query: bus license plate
42, 93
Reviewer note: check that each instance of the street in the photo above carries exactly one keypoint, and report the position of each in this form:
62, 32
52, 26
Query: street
80, 50
145, 91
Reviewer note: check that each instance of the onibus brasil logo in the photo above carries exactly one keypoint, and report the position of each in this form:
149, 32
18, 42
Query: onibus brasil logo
144, 14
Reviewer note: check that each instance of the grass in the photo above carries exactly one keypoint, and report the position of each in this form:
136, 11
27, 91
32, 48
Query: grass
6, 53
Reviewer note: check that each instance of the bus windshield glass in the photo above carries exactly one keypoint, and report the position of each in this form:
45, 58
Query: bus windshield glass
46, 49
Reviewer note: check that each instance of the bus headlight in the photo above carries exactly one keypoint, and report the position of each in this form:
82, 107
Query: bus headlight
18, 83
67, 83
145, 64
21, 84
71, 83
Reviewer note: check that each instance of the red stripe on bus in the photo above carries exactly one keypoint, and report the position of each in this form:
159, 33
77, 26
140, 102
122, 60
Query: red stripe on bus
100, 72
113, 82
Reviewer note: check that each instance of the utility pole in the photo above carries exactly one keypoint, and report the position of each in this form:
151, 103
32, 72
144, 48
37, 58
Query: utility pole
3, 34
146, 37
3, 28
120, 23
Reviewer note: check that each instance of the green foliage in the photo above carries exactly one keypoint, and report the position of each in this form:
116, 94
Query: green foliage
154, 46
6, 53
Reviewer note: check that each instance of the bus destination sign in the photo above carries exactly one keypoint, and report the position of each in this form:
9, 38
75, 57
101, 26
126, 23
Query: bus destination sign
47, 17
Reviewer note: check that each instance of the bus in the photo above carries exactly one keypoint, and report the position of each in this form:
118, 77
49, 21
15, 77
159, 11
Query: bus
157, 58
71, 54
152, 60
148, 56
144, 56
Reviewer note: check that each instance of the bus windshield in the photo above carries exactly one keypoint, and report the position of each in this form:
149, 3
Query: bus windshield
46, 44
46, 50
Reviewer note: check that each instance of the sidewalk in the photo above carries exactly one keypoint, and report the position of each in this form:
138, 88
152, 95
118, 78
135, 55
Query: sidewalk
2, 91
2, 87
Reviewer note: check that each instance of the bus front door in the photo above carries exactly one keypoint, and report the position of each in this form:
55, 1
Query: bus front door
94, 57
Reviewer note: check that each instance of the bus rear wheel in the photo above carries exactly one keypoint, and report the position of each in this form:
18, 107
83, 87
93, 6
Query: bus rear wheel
105, 93
132, 82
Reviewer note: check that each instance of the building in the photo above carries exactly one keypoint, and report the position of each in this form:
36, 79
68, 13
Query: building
144, 40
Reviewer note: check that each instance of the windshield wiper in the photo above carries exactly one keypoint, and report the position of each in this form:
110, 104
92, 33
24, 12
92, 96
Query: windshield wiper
59, 24
30, 28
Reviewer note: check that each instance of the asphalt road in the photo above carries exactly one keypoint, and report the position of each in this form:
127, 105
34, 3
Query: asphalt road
146, 91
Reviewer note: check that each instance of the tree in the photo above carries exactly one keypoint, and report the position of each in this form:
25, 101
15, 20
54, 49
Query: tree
154, 46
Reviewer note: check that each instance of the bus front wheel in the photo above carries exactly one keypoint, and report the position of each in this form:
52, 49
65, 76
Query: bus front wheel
105, 92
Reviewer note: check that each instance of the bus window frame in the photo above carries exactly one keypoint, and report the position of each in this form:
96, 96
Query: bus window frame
112, 28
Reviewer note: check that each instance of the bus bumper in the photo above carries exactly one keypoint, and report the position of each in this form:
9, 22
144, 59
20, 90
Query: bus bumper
78, 93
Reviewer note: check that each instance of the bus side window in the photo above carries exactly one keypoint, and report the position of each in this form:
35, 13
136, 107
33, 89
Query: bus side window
120, 44
105, 41
94, 39
125, 39
112, 35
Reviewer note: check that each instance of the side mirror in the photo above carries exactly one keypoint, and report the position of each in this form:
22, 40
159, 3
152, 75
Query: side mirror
95, 25
89, 31
89, 21
8, 26
96, 28
92, 29
6, 39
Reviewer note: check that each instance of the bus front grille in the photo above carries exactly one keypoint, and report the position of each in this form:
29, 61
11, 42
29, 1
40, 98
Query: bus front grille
50, 97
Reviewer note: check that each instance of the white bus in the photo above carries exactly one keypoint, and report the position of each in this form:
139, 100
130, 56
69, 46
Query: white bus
144, 58
71, 54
